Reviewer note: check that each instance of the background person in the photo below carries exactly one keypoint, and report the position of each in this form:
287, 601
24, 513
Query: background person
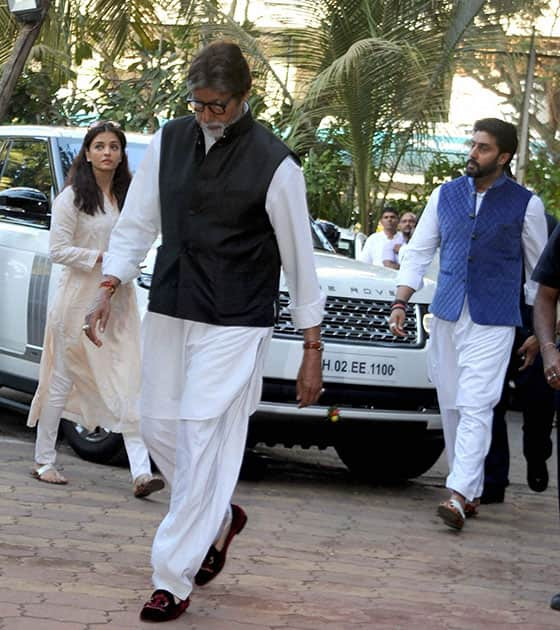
488, 228
536, 402
374, 246
392, 251
547, 274
92, 387
229, 199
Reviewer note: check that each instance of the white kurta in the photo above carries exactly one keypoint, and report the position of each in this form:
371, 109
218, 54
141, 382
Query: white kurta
375, 247
164, 394
467, 361
200, 381
105, 381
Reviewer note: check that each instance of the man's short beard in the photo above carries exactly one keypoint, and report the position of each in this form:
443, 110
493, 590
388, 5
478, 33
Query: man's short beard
215, 129
476, 171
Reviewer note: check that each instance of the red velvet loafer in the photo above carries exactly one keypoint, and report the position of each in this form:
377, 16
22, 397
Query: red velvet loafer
162, 607
215, 560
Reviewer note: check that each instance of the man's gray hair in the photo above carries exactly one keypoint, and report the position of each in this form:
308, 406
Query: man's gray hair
220, 66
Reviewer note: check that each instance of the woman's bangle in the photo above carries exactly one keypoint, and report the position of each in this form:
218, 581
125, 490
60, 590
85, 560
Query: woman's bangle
548, 343
399, 301
401, 307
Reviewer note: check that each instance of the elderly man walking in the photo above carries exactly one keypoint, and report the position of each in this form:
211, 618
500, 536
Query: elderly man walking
487, 227
229, 200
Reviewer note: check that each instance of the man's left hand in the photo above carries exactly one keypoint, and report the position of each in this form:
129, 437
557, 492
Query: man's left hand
309, 380
528, 351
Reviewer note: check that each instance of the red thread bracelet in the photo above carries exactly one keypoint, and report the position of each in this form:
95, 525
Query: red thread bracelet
107, 284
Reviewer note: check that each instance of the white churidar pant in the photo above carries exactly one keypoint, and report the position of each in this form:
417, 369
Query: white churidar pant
468, 363
49, 421
211, 376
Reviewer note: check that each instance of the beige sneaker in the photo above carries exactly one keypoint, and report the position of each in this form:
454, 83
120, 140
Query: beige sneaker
146, 484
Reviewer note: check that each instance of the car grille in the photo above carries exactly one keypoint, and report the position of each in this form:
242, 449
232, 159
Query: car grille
357, 321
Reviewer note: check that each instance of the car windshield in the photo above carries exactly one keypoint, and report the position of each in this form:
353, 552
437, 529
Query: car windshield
320, 241
69, 148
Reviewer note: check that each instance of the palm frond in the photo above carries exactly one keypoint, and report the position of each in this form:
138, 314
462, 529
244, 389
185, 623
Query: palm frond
9, 30
113, 21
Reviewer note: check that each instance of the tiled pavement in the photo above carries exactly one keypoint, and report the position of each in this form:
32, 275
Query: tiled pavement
320, 552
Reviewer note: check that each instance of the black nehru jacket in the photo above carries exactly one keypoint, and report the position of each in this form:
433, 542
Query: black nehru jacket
547, 270
218, 262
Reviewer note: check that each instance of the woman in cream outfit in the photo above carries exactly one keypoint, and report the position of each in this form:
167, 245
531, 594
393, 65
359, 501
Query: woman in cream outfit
89, 385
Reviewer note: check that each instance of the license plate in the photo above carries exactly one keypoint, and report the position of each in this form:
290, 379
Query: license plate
355, 367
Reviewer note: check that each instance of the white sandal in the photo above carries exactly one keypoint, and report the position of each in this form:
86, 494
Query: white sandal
452, 513
41, 473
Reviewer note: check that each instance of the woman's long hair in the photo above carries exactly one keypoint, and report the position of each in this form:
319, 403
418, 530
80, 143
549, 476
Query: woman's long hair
87, 194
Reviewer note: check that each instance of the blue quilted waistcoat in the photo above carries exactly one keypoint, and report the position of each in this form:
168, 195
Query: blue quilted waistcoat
481, 256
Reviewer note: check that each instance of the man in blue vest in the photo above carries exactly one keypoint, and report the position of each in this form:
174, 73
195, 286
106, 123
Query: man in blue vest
490, 230
229, 200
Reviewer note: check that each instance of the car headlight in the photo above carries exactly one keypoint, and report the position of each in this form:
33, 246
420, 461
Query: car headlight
426, 322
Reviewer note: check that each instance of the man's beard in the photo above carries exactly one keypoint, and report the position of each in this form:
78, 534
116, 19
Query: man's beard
473, 169
215, 129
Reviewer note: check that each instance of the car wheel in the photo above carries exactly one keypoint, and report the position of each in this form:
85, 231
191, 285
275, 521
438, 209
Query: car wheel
98, 445
387, 455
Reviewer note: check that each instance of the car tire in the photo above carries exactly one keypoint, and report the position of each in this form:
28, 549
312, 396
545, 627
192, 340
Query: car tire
99, 446
386, 455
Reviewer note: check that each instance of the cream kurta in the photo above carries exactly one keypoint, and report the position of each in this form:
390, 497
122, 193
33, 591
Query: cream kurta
106, 380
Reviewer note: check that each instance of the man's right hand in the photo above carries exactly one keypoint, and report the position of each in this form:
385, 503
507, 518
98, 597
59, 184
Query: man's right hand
551, 364
396, 322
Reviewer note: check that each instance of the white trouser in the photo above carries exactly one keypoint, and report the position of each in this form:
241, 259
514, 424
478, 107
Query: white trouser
200, 460
49, 421
468, 363
200, 384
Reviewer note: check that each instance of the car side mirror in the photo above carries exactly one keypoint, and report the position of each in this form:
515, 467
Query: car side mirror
23, 204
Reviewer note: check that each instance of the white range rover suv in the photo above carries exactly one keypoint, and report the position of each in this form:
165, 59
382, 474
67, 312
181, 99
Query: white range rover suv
379, 409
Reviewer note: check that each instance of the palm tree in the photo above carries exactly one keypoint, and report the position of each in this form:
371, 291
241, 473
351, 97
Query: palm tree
380, 71
71, 31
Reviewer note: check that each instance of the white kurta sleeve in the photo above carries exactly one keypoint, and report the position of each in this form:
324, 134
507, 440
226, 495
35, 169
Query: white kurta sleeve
389, 252
533, 238
286, 206
140, 220
421, 248
366, 255
62, 235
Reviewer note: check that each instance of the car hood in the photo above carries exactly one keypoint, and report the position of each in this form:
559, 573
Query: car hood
343, 277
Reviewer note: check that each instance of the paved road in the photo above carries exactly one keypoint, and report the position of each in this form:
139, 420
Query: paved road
320, 551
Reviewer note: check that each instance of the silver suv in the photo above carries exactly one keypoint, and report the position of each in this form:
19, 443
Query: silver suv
379, 409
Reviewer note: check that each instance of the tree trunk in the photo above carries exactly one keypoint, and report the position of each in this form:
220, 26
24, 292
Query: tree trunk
15, 64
